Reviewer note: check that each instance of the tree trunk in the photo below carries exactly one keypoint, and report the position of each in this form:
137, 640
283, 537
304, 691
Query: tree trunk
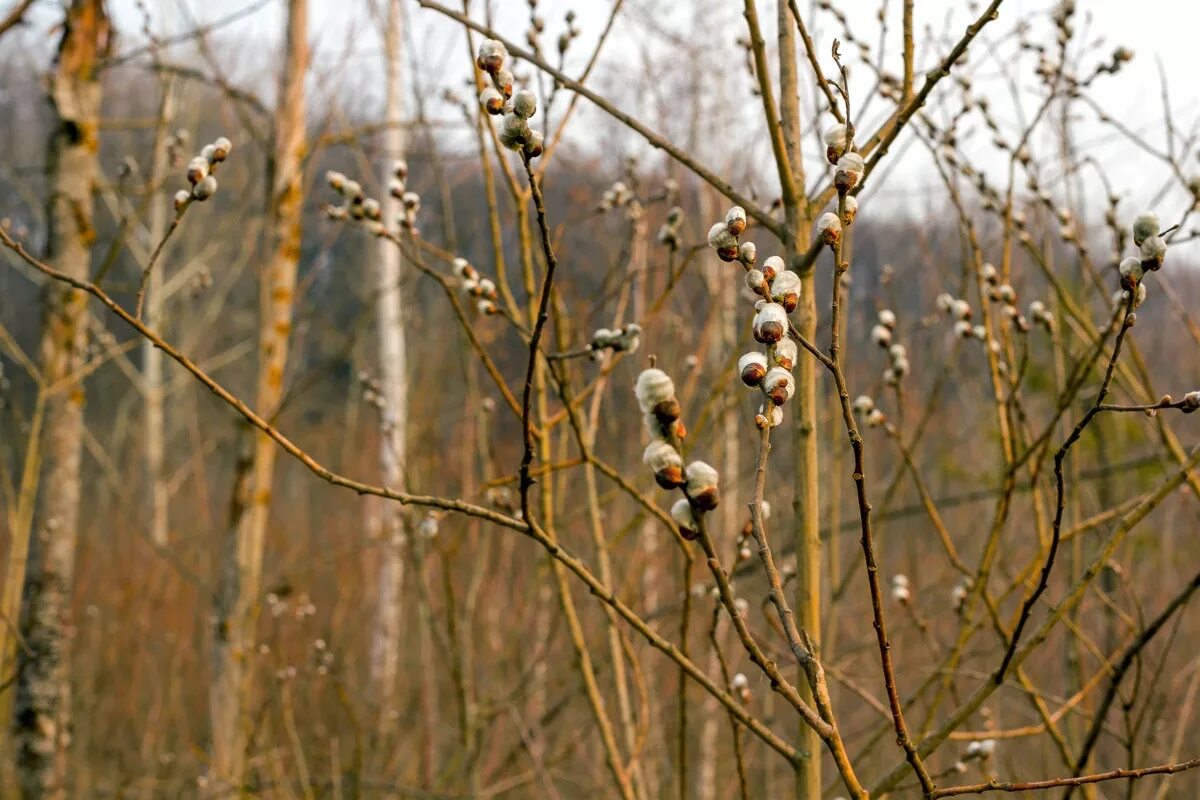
152, 357
43, 696
241, 573
806, 492
393, 377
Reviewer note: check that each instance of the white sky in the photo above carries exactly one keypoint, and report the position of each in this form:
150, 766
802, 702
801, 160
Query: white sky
1162, 34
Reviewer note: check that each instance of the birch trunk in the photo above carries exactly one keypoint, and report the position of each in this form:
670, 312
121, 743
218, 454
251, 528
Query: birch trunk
43, 696
393, 376
241, 573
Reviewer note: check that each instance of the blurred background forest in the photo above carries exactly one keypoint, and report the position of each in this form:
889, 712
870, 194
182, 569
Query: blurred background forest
1004, 164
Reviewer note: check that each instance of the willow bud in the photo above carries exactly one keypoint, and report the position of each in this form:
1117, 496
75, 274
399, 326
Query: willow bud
352, 190
735, 220
197, 170
850, 170
181, 200
850, 210
770, 323
785, 290
685, 518
786, 353
1131, 272
887, 318
741, 686
1145, 225
492, 55
221, 149
779, 385
524, 104
514, 132
753, 368
881, 336
863, 404
772, 267
1153, 250
747, 253
536, 144
756, 281
666, 463
656, 395
836, 143
765, 418
491, 100
829, 228
702, 485
724, 242
205, 189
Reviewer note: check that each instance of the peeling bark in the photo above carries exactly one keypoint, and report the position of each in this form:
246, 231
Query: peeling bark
241, 574
393, 378
42, 723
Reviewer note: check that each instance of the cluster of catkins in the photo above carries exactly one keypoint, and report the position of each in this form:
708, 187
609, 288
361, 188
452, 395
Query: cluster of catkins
498, 99
626, 339
410, 201
615, 196
882, 335
1005, 296
668, 234
655, 393
482, 290
865, 407
1152, 249
981, 749
960, 310
779, 291
368, 210
200, 173
372, 391
849, 165
848, 174
569, 35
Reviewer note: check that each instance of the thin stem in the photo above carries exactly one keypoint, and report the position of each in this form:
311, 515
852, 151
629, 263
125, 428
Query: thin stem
539, 325
1060, 489
864, 512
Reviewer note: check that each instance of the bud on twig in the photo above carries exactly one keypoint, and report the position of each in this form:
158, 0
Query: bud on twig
702, 485
666, 463
785, 290
753, 368
655, 392
770, 323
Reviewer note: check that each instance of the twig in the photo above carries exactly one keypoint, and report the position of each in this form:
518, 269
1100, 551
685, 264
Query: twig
1060, 489
1032, 786
654, 139
526, 482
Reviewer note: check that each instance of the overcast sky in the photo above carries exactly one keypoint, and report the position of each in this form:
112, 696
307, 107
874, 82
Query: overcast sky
1161, 34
